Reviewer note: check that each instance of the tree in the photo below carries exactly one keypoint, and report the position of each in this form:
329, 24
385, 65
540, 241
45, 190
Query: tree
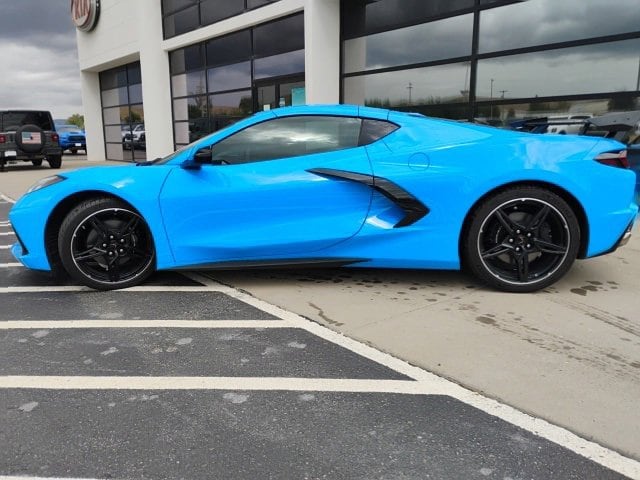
76, 119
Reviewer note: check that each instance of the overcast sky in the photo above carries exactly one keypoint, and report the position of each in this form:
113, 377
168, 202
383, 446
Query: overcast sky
38, 57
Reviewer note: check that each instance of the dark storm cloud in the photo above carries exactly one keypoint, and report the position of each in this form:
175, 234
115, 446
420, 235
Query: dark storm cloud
40, 59
44, 23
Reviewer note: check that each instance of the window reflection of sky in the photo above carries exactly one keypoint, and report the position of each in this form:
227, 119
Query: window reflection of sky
537, 22
436, 40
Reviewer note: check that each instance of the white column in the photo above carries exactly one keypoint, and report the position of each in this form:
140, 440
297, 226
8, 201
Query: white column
322, 50
156, 88
92, 105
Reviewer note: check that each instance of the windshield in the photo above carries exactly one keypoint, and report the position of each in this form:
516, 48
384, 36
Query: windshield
67, 128
16, 119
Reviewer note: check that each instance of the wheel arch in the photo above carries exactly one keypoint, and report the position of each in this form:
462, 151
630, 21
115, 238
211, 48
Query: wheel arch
57, 216
567, 196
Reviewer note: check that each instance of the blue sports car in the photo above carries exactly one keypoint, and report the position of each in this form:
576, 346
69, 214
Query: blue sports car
338, 185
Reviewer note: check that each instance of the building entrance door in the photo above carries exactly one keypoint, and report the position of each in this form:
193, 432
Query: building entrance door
281, 92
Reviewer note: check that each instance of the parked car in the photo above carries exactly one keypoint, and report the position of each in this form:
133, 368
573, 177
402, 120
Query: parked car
28, 136
72, 138
338, 185
135, 138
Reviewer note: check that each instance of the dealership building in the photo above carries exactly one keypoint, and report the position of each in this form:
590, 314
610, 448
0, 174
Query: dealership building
175, 70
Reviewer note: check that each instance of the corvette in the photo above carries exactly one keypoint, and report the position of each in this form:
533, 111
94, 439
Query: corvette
338, 185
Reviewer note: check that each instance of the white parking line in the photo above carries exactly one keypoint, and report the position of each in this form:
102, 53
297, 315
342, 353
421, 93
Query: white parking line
6, 234
9, 265
5, 247
7, 199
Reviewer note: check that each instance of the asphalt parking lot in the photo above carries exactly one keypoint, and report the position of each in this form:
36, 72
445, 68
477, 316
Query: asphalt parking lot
208, 376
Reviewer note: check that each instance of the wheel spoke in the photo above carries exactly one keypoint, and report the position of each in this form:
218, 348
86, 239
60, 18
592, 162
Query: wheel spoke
88, 254
539, 218
131, 225
99, 227
548, 247
496, 251
113, 270
506, 221
522, 263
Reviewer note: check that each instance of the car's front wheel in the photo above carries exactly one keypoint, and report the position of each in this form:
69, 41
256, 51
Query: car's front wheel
104, 244
522, 239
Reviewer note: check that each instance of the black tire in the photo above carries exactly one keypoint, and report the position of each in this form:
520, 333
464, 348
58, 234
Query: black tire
74, 151
55, 161
30, 138
37, 162
105, 244
521, 240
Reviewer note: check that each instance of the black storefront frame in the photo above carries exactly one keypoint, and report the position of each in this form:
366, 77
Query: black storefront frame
473, 105
205, 67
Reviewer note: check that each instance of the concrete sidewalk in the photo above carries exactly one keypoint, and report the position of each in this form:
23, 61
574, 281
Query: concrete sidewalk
569, 354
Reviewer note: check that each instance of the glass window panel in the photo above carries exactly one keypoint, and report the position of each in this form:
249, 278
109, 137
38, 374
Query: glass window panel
114, 78
453, 111
286, 95
233, 103
608, 67
280, 36
288, 137
266, 97
181, 22
439, 40
229, 77
115, 151
185, 59
170, 6
135, 93
363, 17
212, 11
537, 22
111, 115
113, 133
512, 114
189, 108
137, 115
259, 3
232, 48
283, 64
181, 132
115, 96
134, 74
413, 87
192, 83
373, 130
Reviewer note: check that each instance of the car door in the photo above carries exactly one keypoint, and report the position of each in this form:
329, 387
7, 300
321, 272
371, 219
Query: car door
260, 199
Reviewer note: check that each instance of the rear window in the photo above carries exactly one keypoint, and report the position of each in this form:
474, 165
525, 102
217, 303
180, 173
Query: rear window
16, 119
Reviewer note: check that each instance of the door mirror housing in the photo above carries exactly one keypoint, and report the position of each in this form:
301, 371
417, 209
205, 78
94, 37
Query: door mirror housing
203, 156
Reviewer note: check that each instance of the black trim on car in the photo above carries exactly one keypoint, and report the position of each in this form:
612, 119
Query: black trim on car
414, 209
276, 263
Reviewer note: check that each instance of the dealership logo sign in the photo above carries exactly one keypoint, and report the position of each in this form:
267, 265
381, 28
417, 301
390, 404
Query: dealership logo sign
85, 13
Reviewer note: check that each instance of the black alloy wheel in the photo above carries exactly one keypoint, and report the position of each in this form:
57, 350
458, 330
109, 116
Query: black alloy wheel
522, 239
105, 245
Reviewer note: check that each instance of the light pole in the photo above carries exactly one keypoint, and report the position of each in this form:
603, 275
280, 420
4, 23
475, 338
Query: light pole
491, 100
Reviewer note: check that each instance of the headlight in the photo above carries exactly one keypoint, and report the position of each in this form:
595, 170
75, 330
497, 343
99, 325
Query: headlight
45, 182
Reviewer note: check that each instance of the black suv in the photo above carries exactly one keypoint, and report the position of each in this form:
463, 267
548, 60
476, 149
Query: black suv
29, 136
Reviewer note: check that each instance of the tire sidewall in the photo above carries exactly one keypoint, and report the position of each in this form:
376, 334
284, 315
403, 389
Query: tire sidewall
471, 253
65, 237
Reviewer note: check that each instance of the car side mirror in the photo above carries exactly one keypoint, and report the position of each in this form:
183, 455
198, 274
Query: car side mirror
202, 156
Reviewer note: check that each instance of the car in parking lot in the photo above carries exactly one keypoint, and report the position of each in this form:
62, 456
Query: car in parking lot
29, 136
338, 185
72, 138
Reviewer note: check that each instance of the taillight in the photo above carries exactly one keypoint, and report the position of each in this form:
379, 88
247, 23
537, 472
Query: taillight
3, 139
614, 159
55, 137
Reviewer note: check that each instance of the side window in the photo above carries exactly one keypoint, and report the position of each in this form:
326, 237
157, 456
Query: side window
288, 137
373, 130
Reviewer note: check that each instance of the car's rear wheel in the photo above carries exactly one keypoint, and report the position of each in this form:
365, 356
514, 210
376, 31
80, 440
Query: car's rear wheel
105, 244
522, 239
55, 161
37, 162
